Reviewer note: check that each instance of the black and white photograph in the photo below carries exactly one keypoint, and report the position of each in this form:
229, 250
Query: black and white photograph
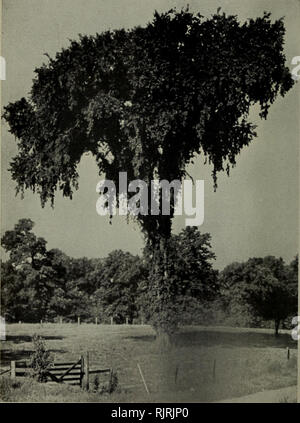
149, 203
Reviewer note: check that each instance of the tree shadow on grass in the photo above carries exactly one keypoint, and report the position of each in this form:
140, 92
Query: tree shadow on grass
238, 339
18, 339
207, 338
6, 356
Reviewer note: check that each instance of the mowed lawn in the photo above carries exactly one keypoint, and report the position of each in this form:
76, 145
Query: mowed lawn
206, 364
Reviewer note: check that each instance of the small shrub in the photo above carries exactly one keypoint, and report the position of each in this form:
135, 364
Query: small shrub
113, 382
40, 360
108, 387
95, 384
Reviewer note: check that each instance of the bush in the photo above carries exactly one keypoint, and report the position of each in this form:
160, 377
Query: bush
40, 360
106, 387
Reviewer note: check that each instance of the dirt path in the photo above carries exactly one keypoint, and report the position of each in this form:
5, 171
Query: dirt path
288, 394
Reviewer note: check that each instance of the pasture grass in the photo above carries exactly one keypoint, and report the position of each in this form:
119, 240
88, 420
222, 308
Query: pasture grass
245, 360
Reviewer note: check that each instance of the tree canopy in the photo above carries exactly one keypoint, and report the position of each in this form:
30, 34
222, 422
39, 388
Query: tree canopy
134, 98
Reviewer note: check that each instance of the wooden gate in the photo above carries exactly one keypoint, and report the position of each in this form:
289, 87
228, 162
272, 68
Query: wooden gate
67, 372
72, 373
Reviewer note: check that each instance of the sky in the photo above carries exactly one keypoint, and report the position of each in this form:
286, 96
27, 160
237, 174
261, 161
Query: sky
254, 212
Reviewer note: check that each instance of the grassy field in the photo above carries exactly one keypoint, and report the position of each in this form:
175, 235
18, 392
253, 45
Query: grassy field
246, 361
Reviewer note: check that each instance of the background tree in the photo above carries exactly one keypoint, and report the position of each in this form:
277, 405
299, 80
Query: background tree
38, 283
264, 284
74, 287
23, 246
12, 303
293, 269
78, 270
60, 304
118, 281
183, 85
32, 277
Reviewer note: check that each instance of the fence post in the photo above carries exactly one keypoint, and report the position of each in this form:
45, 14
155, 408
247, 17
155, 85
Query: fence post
142, 321
86, 372
111, 320
12, 369
214, 370
78, 321
96, 320
81, 371
126, 320
176, 373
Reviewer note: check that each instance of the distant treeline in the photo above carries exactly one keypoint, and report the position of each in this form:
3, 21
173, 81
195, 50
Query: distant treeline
41, 284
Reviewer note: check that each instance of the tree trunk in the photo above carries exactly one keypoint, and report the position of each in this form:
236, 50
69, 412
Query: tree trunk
164, 339
277, 324
163, 316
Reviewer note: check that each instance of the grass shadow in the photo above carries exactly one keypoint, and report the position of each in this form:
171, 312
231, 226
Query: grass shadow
18, 339
239, 339
236, 339
6, 356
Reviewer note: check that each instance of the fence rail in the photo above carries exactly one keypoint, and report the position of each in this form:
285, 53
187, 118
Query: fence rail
2, 372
